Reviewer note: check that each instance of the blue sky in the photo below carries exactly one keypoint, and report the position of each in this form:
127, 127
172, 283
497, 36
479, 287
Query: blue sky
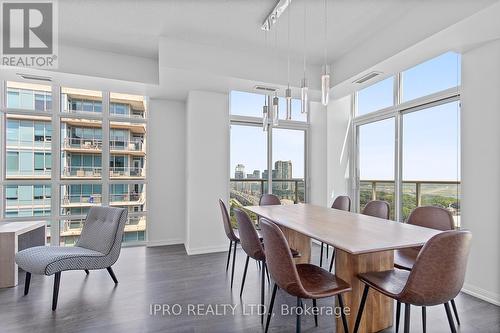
430, 137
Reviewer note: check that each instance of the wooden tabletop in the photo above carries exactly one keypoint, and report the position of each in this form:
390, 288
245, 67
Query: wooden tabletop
351, 232
20, 227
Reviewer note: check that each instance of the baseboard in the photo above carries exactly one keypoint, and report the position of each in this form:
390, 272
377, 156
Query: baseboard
206, 249
480, 293
173, 241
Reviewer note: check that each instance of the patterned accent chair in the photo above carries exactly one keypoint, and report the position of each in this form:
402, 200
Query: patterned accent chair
98, 247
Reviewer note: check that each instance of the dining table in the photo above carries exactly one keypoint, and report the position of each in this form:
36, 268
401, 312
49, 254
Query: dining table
362, 244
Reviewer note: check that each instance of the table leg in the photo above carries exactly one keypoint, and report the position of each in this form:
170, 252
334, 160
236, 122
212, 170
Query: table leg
300, 243
378, 311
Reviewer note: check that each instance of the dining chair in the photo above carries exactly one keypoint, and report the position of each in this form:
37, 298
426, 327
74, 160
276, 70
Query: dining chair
252, 245
429, 217
377, 208
304, 281
342, 202
436, 277
269, 200
98, 247
233, 236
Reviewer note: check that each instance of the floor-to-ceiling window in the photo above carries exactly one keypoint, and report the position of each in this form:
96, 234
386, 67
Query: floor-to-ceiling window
262, 154
407, 138
55, 153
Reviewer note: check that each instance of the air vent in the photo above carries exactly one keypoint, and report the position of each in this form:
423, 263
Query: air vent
34, 77
266, 89
367, 77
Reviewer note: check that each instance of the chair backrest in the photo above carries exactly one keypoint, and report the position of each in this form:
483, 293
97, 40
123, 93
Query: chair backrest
269, 200
432, 217
103, 230
439, 270
377, 208
249, 238
342, 202
228, 228
279, 259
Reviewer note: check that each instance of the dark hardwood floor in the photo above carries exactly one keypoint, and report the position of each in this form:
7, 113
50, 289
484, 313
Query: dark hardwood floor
167, 275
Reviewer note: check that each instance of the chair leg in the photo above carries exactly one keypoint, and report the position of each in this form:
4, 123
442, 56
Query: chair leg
234, 259
455, 311
271, 304
87, 271
229, 254
327, 248
398, 314
267, 273
361, 308
333, 258
262, 286
297, 322
27, 283
450, 318
244, 276
113, 276
321, 256
424, 319
315, 314
407, 318
342, 313
55, 295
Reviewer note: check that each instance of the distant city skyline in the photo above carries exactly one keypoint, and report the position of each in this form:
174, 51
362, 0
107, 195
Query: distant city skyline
281, 170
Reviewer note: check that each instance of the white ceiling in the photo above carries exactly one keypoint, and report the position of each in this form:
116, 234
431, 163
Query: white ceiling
134, 27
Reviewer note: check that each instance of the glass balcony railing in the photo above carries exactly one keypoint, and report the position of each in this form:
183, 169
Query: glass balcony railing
444, 194
248, 191
80, 143
130, 145
126, 172
70, 199
82, 171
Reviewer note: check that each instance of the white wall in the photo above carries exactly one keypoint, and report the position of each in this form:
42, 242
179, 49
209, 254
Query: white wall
338, 148
166, 167
317, 182
480, 203
207, 158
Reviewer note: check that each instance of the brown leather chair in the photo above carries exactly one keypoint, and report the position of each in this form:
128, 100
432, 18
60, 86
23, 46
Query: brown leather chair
429, 217
342, 202
377, 208
302, 280
252, 245
233, 236
436, 278
269, 200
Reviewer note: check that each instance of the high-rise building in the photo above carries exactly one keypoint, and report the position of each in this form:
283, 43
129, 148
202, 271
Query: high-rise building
239, 172
29, 156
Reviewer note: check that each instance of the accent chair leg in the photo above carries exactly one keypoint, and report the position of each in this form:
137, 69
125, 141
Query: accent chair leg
407, 318
87, 271
234, 259
271, 304
27, 283
244, 275
113, 276
450, 318
57, 281
361, 308
229, 254
342, 313
455, 311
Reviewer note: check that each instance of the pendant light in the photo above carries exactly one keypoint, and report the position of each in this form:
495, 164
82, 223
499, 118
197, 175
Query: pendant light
325, 78
303, 87
288, 91
265, 114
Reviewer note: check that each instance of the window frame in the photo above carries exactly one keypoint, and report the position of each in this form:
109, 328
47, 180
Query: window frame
397, 111
56, 113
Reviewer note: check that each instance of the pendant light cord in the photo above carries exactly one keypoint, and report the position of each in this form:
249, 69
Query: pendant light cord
326, 33
288, 48
305, 19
